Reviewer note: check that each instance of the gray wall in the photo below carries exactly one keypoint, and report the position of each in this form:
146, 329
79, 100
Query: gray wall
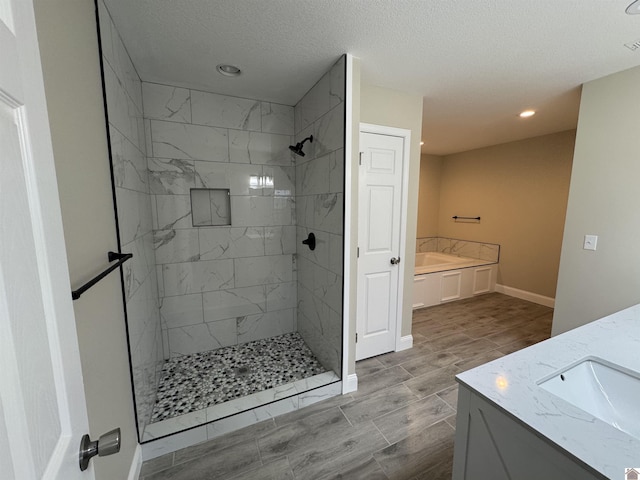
383, 106
71, 69
128, 151
603, 200
319, 209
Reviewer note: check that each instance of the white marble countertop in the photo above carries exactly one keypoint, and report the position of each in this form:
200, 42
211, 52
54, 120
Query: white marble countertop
511, 382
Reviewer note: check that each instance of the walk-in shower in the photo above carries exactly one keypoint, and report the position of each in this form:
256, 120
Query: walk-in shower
227, 309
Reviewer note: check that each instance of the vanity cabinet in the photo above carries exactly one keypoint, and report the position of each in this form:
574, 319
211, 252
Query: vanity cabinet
491, 444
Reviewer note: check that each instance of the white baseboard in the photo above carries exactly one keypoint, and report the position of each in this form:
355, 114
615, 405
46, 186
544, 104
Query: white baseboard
136, 463
524, 295
405, 343
350, 384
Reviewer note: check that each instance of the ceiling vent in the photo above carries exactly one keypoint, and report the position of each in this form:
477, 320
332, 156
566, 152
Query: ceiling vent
633, 46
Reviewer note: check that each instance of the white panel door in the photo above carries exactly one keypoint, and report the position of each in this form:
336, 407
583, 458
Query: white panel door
380, 197
42, 407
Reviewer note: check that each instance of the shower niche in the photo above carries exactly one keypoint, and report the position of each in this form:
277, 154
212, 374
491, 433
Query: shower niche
231, 319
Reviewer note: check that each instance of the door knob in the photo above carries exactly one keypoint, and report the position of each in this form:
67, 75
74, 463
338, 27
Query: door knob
395, 260
107, 444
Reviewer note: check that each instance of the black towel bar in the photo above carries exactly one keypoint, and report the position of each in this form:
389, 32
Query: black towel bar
120, 257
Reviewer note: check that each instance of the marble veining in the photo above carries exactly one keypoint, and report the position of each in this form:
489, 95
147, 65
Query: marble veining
123, 92
225, 111
163, 102
463, 248
209, 378
614, 338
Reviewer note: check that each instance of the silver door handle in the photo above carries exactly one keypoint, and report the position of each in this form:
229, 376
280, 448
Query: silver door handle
107, 444
395, 260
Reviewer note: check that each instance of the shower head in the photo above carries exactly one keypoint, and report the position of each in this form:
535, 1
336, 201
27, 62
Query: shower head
297, 149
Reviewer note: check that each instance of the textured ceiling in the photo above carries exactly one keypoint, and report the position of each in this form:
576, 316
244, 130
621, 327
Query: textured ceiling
476, 63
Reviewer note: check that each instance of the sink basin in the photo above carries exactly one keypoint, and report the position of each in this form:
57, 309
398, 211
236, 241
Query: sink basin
602, 389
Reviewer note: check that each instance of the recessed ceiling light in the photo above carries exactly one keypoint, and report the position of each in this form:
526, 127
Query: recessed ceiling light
527, 113
228, 70
634, 8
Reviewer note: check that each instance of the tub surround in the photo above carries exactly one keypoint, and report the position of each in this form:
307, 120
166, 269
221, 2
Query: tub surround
429, 262
462, 248
510, 384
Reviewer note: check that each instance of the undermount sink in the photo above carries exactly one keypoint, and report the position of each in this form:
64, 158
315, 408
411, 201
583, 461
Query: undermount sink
602, 389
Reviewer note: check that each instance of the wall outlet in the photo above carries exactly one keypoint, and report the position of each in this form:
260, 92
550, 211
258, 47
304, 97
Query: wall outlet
590, 242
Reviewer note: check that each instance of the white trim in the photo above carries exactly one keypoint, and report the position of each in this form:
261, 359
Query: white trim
405, 343
524, 295
405, 134
346, 262
350, 384
136, 464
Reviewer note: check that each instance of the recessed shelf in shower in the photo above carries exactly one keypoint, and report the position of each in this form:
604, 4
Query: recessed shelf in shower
210, 207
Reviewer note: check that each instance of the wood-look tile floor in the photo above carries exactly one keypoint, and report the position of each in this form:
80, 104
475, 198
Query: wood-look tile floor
399, 424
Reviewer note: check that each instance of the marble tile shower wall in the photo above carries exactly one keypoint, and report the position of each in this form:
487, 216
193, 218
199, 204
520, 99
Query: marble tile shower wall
221, 285
126, 130
464, 248
319, 209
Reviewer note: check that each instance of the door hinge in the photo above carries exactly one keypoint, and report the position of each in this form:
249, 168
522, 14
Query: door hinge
360, 158
358, 252
356, 337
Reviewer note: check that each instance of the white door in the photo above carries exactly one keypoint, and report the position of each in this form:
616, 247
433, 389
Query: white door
42, 407
379, 218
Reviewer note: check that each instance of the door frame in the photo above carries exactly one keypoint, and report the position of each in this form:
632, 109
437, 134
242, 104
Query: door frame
400, 342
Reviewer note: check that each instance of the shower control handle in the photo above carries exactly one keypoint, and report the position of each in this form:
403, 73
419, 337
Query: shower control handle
395, 260
107, 444
310, 241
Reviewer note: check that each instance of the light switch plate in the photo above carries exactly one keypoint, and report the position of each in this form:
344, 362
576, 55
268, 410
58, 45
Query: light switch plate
590, 242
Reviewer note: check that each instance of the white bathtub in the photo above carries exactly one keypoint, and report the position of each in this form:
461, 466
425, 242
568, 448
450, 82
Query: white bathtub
441, 278
435, 262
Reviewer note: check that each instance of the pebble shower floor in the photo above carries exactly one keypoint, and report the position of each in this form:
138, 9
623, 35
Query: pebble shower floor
192, 382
